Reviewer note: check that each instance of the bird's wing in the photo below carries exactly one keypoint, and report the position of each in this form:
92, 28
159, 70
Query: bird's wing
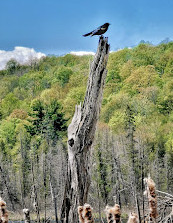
88, 34
98, 29
92, 33
95, 31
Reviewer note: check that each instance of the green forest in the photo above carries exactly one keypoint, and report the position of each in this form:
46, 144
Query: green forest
134, 136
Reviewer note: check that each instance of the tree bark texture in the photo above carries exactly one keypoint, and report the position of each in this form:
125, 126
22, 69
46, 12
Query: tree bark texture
81, 133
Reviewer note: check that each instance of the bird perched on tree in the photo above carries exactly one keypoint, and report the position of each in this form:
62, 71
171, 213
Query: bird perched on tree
99, 31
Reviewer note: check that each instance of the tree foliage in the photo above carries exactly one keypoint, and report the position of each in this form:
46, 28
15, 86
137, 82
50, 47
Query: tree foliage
137, 112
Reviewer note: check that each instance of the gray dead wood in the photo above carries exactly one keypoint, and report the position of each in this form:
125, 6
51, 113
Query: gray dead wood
26, 215
81, 133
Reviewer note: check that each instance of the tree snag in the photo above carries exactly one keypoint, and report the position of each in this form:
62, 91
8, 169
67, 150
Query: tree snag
81, 133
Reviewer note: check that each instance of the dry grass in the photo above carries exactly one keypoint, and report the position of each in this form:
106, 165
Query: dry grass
19, 216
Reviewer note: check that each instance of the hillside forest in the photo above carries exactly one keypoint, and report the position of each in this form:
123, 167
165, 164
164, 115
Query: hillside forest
134, 136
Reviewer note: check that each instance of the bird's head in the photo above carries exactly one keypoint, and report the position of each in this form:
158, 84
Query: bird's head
107, 24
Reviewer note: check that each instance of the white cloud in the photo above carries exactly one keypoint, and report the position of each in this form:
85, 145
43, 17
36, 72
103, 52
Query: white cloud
22, 55
82, 53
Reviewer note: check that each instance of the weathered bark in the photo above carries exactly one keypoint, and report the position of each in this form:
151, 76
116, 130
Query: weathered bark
171, 217
81, 133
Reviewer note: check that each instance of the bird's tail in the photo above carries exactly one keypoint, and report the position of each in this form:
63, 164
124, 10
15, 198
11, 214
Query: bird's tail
87, 34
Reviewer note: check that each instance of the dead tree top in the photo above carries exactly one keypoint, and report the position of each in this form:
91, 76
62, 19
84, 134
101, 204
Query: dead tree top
86, 114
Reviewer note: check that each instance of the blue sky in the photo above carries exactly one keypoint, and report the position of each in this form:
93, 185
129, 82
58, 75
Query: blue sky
56, 26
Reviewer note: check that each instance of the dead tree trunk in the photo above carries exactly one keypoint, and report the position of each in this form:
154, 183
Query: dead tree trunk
52, 190
34, 195
81, 133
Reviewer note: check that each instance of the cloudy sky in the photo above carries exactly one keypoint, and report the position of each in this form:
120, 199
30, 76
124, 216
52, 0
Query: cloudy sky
56, 26
22, 55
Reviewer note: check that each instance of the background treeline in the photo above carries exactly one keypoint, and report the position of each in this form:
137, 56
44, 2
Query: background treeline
134, 136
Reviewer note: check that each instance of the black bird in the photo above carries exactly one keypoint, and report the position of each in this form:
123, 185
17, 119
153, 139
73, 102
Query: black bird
99, 31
